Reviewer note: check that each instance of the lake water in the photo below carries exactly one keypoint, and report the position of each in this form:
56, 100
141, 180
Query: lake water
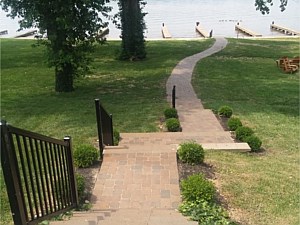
180, 16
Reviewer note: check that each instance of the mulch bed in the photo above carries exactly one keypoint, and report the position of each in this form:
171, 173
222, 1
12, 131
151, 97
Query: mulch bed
90, 175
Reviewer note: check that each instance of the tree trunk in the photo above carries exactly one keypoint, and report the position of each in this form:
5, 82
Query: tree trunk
64, 78
64, 70
132, 19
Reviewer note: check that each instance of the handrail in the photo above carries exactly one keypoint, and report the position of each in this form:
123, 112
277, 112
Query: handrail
39, 174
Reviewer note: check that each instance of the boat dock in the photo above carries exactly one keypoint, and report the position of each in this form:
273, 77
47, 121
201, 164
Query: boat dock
246, 31
165, 31
284, 30
103, 33
3, 32
26, 34
201, 30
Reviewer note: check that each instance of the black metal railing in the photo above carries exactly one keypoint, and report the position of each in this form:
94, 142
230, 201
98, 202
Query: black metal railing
38, 173
174, 97
105, 127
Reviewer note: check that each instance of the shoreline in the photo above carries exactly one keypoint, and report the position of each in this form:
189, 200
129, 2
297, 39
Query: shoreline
180, 39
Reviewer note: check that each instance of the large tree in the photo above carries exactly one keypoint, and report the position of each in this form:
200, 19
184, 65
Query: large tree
71, 27
132, 29
264, 5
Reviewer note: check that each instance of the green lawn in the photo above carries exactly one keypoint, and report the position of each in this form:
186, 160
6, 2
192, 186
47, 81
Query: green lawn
260, 188
134, 92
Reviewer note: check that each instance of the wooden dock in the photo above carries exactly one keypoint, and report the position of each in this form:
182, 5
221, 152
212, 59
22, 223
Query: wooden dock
103, 33
246, 31
284, 30
165, 31
201, 30
3, 32
26, 33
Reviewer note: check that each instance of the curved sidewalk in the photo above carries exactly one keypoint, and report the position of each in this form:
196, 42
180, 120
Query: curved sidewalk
193, 117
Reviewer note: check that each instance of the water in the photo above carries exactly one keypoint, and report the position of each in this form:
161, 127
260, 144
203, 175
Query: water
180, 16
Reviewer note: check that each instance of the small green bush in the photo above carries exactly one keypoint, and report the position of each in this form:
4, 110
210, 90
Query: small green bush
117, 137
196, 187
233, 123
205, 213
85, 155
242, 132
191, 152
173, 125
170, 113
254, 142
80, 187
225, 111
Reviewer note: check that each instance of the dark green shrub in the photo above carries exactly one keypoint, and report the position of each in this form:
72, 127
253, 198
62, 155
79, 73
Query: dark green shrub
233, 123
173, 125
196, 187
206, 213
254, 143
170, 113
225, 111
85, 155
242, 132
191, 152
80, 187
117, 137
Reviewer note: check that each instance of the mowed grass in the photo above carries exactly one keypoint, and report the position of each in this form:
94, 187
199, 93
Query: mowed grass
134, 92
263, 188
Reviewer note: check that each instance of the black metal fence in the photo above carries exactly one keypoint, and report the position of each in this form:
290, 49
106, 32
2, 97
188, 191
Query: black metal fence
39, 174
105, 127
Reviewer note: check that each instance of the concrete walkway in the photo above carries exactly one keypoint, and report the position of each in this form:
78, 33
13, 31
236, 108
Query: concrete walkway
138, 183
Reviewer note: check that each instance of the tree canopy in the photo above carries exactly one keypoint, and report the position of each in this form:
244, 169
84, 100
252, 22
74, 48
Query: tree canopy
264, 5
71, 27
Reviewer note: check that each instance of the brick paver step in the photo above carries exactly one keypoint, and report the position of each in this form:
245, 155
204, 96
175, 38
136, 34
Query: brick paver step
148, 217
170, 138
137, 180
91, 217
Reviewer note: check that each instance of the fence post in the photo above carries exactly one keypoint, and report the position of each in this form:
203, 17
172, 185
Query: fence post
74, 193
100, 134
173, 96
12, 176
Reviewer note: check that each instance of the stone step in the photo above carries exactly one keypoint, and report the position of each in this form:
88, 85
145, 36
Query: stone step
170, 138
197, 120
92, 217
147, 217
156, 148
240, 147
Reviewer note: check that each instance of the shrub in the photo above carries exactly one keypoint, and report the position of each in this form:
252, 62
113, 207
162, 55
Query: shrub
85, 155
191, 152
254, 143
80, 187
233, 123
196, 187
173, 125
205, 213
117, 137
225, 111
242, 132
170, 113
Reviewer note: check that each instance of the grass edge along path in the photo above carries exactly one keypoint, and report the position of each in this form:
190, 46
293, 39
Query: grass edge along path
263, 188
134, 92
